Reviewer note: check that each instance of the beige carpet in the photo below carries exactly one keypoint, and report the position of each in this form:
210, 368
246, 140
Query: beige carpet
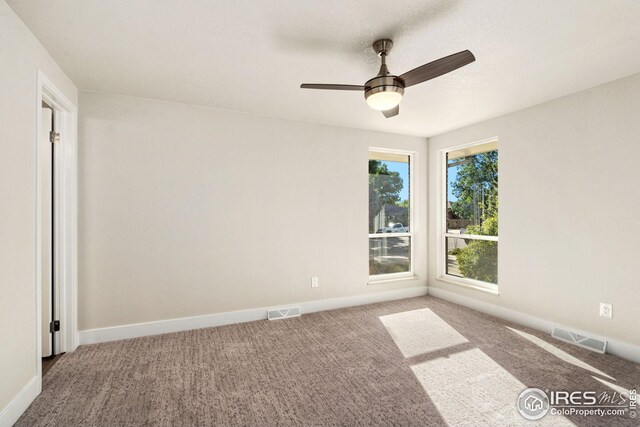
338, 368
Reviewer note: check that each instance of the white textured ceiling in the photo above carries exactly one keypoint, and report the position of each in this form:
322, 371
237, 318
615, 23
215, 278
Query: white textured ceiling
251, 56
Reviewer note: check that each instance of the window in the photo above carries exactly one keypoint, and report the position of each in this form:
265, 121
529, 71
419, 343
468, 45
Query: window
390, 215
470, 225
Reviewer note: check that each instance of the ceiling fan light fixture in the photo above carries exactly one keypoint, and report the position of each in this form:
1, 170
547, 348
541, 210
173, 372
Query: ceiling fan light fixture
384, 91
385, 99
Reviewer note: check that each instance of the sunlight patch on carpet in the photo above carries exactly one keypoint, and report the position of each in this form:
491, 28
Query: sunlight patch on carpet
471, 389
420, 331
563, 355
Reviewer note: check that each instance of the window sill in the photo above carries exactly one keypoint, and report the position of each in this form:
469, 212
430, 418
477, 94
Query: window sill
469, 284
389, 279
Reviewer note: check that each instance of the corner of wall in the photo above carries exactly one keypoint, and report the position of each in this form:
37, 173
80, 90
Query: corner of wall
12, 412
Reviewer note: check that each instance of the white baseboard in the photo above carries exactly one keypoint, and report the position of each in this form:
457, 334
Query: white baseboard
619, 348
92, 336
20, 403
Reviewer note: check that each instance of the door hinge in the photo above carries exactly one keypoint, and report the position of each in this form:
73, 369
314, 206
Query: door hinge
54, 137
54, 326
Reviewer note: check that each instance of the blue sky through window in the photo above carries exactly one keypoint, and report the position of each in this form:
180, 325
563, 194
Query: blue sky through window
452, 176
403, 170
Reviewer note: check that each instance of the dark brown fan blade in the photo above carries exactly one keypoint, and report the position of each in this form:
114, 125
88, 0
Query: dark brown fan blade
391, 113
331, 87
437, 68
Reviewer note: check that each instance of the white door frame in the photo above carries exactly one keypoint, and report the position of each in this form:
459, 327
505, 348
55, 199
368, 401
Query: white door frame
65, 214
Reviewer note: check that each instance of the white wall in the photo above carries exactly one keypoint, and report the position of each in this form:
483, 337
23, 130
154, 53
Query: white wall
20, 58
188, 211
569, 206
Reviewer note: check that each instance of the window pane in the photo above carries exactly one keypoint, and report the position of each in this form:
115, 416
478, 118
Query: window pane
472, 191
388, 193
389, 255
473, 259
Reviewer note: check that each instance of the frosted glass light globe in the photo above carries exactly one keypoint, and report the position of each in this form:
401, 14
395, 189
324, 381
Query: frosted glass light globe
383, 101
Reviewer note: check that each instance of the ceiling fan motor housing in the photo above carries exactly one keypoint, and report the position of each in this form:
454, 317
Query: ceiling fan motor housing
378, 84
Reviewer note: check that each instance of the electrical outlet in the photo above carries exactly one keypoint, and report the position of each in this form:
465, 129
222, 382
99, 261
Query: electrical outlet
606, 311
314, 282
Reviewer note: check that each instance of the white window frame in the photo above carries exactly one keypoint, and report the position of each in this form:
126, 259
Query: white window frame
442, 226
377, 278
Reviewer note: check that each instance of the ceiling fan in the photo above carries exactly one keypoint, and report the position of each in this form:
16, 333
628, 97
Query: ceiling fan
384, 91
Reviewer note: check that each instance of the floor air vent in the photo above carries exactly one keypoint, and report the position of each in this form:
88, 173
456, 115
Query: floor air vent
590, 343
283, 313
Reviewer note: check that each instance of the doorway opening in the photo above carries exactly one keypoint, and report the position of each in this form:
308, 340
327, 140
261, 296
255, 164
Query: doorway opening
56, 227
50, 323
